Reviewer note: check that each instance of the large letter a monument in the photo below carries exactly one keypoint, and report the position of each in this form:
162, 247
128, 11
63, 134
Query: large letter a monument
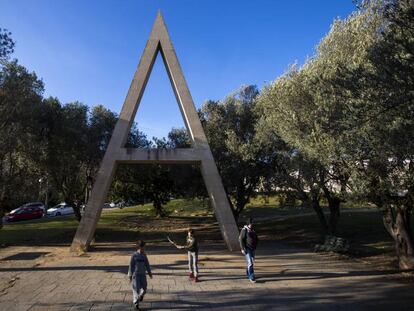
159, 42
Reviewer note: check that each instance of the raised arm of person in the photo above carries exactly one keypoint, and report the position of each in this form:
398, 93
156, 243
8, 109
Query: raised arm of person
180, 246
175, 244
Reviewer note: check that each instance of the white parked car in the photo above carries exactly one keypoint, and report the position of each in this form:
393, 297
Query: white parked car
60, 209
109, 205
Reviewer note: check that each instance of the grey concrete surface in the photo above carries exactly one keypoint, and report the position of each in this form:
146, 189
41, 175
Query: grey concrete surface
49, 278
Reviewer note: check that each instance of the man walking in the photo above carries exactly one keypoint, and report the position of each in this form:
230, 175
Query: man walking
248, 243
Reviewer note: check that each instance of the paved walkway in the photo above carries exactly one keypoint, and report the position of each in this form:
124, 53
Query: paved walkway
48, 278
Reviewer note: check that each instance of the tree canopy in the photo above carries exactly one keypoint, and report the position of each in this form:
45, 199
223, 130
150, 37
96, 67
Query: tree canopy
350, 108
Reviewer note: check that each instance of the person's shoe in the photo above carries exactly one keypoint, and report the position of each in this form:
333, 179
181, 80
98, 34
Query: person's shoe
252, 280
136, 304
196, 280
191, 276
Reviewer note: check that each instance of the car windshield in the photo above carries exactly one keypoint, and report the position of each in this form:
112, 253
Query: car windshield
30, 205
15, 211
59, 206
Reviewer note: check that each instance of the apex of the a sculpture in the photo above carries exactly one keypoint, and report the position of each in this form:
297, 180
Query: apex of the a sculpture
159, 17
159, 29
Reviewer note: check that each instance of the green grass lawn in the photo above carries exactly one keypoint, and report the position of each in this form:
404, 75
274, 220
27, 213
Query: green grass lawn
41, 232
364, 229
113, 224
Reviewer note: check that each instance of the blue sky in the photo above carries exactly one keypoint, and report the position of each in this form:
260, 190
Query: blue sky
88, 50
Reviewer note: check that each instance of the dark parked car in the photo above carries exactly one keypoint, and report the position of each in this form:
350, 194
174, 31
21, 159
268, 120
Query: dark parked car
25, 213
31, 204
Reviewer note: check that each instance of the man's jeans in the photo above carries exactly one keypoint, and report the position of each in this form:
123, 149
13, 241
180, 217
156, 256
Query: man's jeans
193, 263
250, 262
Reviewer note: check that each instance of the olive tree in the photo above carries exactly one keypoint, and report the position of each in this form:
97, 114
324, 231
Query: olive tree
230, 129
350, 107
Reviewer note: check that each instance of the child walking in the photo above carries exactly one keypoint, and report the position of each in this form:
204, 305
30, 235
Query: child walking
192, 251
138, 267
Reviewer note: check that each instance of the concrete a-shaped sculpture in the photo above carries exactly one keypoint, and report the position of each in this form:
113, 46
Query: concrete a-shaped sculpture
116, 153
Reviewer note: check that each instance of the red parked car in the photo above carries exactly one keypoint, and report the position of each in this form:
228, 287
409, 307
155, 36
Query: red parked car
25, 214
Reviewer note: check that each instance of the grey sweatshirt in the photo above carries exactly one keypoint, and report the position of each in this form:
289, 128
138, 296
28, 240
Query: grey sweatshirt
138, 265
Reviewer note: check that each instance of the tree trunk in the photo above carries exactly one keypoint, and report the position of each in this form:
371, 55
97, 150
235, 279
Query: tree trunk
398, 226
2, 205
242, 197
334, 204
240, 200
334, 208
76, 208
321, 216
2, 213
239, 208
159, 212
233, 209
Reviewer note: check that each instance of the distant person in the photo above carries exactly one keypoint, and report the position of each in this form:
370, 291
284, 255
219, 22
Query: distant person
192, 250
138, 267
248, 243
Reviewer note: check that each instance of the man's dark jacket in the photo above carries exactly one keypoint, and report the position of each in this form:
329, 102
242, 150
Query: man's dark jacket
248, 238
